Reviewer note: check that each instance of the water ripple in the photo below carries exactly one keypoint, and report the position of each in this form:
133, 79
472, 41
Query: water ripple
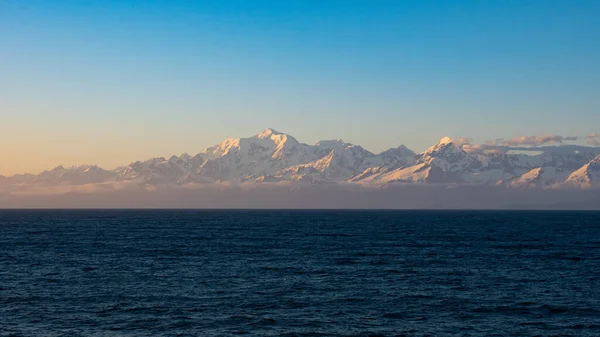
299, 273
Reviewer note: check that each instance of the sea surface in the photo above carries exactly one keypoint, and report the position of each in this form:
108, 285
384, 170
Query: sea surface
299, 273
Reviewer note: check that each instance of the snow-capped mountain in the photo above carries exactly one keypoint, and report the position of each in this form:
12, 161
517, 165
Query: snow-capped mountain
335, 166
340, 161
263, 154
272, 156
538, 177
445, 162
60, 175
545, 169
586, 176
159, 170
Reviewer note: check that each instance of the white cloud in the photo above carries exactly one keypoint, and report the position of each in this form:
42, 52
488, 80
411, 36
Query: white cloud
593, 139
535, 140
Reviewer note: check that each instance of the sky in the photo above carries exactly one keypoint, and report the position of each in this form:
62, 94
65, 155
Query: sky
113, 81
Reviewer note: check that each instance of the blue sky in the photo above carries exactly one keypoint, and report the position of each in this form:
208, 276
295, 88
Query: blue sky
109, 82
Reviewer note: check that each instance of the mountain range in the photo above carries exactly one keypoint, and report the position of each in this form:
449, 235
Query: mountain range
272, 156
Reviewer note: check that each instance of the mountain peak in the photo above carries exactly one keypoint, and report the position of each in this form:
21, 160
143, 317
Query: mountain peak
268, 132
402, 149
445, 140
332, 144
271, 153
587, 175
445, 145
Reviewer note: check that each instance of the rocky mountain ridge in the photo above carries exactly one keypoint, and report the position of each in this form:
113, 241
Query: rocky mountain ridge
272, 156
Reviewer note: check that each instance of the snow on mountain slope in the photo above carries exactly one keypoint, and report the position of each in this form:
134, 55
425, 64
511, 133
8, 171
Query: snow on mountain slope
338, 165
324, 147
21, 179
80, 175
448, 156
233, 159
413, 174
263, 154
538, 177
159, 170
340, 161
272, 156
394, 158
369, 173
569, 161
87, 174
400, 156
496, 167
587, 176
447, 162
543, 169
444, 162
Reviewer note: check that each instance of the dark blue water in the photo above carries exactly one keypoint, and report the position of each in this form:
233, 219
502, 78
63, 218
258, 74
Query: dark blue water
299, 273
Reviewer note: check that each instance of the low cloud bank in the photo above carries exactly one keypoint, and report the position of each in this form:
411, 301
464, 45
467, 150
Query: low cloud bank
534, 140
302, 196
593, 139
521, 141
553, 144
550, 149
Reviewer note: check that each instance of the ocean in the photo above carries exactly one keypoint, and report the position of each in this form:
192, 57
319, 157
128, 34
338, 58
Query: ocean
299, 273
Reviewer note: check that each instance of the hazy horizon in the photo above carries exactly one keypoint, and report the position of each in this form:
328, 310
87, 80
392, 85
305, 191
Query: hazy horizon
301, 196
